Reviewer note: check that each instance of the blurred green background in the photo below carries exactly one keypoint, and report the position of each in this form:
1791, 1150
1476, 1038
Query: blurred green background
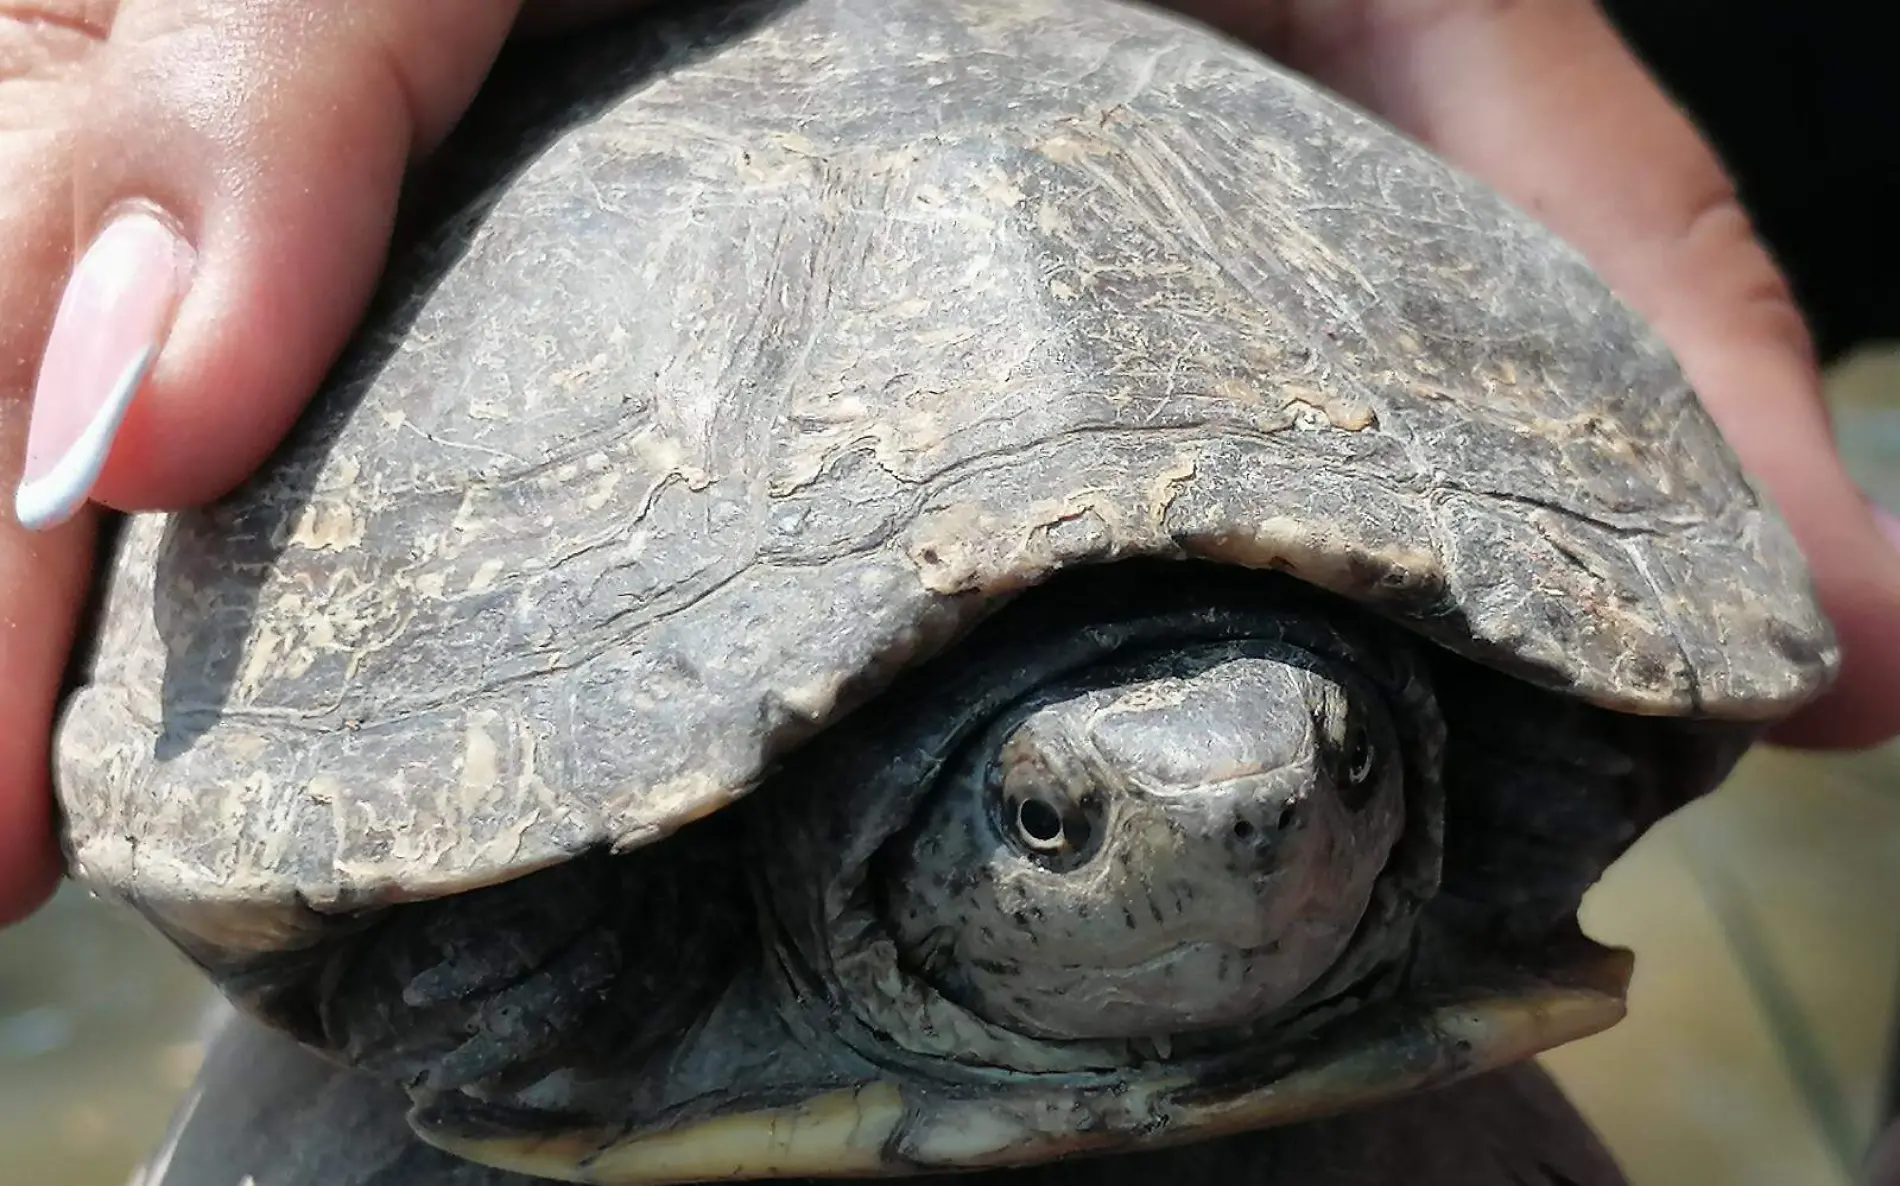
1763, 920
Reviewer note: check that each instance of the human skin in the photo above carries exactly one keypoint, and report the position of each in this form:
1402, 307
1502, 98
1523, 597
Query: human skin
272, 136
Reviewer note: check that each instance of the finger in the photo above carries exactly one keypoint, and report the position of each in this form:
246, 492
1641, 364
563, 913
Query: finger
273, 140
1542, 100
236, 170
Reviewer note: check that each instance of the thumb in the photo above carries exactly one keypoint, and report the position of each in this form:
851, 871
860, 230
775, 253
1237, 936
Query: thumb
236, 167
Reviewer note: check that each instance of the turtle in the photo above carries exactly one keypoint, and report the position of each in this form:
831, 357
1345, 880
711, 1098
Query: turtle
906, 586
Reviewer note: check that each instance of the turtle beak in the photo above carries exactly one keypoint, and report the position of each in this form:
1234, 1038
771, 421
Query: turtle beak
892, 1127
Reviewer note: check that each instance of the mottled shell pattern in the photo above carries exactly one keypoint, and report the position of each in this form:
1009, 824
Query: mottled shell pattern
806, 340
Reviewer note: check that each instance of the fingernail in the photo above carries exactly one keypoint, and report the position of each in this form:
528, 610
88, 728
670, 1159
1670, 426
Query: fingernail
111, 322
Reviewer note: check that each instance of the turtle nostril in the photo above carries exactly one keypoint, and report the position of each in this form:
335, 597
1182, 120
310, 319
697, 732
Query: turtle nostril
1255, 835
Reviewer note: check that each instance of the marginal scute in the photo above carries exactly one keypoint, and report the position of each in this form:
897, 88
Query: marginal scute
711, 416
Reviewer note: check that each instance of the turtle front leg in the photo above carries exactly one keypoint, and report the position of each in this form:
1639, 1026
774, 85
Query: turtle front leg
488, 990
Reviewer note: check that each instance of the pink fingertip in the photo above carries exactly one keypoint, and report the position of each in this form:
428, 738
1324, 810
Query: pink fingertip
111, 323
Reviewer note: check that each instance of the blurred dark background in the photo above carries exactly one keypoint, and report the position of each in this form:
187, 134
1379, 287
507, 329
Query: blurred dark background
1802, 99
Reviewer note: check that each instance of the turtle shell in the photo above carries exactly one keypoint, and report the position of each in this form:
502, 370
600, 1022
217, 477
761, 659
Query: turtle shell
785, 343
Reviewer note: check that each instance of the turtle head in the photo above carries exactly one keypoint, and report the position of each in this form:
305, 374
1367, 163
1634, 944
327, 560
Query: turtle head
1187, 839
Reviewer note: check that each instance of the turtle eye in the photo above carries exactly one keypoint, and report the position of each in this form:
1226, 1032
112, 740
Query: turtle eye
1044, 811
1042, 825
1359, 753
1350, 752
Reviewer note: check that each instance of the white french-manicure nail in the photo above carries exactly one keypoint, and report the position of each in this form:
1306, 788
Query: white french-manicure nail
110, 326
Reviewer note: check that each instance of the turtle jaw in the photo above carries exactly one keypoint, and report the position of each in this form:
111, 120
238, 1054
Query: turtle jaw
894, 1127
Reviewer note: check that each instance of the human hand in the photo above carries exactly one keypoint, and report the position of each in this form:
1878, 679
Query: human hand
1544, 102
271, 137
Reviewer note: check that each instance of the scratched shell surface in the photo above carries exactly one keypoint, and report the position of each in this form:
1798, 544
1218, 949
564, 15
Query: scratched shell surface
768, 376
